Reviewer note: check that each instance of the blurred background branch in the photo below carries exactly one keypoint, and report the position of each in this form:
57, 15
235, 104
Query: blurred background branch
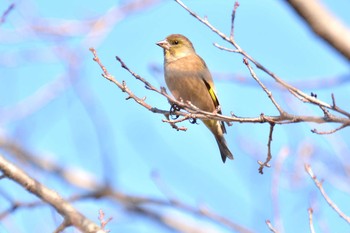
69, 214
325, 24
6, 12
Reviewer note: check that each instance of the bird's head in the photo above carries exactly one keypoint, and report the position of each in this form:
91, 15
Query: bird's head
176, 46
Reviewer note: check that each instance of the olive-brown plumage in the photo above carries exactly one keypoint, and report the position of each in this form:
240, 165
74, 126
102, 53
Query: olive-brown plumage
189, 79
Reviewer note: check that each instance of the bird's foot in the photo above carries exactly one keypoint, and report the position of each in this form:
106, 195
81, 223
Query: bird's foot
173, 109
193, 120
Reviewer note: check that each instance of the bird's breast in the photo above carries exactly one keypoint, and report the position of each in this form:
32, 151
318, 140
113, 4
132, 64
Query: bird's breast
186, 83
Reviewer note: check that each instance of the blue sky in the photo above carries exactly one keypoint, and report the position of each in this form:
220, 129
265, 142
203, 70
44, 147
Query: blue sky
85, 123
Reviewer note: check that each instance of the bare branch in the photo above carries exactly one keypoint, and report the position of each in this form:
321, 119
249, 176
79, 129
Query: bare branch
293, 90
269, 156
312, 229
324, 24
62, 207
330, 131
16, 205
173, 122
6, 12
104, 222
62, 226
122, 86
233, 19
324, 194
201, 211
226, 49
268, 92
100, 190
39, 162
271, 228
194, 112
337, 109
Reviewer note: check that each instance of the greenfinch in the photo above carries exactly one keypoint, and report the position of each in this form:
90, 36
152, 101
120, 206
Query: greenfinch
189, 79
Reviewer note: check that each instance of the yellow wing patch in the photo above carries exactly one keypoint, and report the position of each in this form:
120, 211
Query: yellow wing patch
215, 101
212, 94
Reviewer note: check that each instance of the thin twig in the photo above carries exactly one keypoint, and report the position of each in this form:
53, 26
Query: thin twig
324, 194
330, 131
226, 49
62, 226
173, 122
271, 228
312, 229
233, 19
104, 222
337, 109
122, 85
269, 155
333, 101
6, 12
267, 91
188, 116
16, 205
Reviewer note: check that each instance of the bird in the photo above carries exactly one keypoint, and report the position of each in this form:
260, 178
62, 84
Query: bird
188, 79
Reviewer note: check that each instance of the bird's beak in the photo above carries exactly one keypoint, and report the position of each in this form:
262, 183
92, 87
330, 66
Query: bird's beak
164, 44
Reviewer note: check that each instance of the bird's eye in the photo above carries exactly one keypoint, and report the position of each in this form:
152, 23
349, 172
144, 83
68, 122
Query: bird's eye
176, 42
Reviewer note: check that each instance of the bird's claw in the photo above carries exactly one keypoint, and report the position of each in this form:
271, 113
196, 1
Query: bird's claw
173, 109
193, 120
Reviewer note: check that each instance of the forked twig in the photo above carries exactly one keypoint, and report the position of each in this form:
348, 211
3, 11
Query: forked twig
324, 194
269, 155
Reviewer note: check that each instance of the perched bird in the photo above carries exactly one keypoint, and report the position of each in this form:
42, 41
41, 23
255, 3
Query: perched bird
189, 79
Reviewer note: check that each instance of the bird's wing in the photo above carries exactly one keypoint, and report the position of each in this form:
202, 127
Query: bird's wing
212, 93
215, 100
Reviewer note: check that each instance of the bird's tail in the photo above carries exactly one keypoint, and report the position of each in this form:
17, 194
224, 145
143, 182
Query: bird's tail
218, 130
224, 151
